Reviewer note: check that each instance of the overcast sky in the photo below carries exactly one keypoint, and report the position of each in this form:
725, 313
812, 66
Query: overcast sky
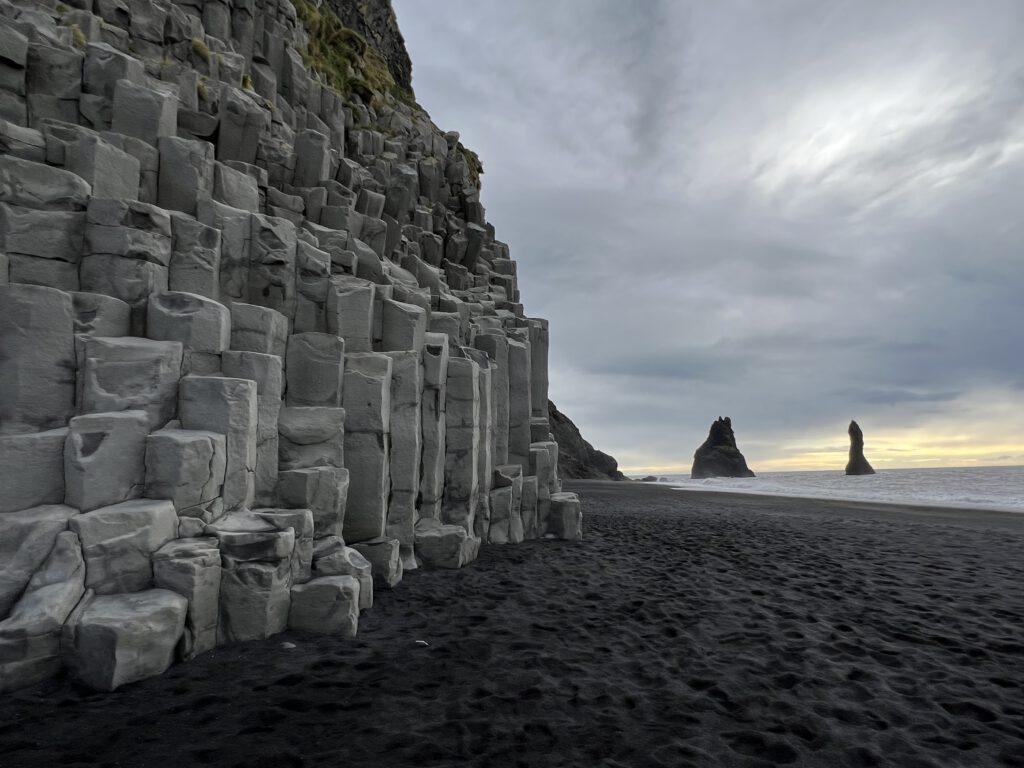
791, 213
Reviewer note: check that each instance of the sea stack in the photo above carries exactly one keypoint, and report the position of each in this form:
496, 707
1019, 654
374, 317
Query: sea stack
719, 456
857, 465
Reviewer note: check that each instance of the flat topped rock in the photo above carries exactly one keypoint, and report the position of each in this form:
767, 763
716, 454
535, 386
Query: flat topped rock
857, 465
719, 456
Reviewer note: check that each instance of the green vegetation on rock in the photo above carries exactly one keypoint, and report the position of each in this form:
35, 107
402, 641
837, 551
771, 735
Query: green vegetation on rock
343, 58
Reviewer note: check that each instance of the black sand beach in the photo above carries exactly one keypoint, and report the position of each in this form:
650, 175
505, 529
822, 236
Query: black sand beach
687, 629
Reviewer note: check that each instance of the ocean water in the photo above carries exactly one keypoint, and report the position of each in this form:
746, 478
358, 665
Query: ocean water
999, 488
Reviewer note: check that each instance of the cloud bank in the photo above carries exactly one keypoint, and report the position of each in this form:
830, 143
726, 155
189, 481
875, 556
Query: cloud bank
791, 213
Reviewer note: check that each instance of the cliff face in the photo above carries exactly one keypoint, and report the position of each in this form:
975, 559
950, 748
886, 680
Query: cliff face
578, 459
375, 21
259, 346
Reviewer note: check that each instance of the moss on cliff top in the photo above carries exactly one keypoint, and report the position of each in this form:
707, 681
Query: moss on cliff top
343, 57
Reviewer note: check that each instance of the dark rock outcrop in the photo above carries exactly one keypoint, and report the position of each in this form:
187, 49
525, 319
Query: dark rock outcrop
857, 465
578, 459
719, 456
375, 21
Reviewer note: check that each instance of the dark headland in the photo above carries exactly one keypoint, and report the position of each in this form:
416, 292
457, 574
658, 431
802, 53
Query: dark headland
688, 629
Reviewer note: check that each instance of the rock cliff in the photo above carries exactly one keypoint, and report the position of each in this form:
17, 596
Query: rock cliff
260, 349
857, 465
718, 456
578, 459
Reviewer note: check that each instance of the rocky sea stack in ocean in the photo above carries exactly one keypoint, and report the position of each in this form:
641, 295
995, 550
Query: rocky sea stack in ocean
260, 349
857, 465
719, 456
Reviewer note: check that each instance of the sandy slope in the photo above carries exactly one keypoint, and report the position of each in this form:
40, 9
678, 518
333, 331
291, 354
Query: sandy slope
689, 629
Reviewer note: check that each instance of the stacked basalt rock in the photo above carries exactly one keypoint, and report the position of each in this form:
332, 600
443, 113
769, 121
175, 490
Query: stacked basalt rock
260, 351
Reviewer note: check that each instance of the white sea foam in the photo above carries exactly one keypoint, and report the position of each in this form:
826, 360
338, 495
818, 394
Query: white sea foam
1000, 488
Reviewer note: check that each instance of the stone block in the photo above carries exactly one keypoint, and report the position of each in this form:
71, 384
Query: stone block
332, 558
186, 173
200, 324
26, 539
32, 468
315, 370
444, 546
566, 517
235, 227
235, 188
322, 490
462, 434
529, 510
385, 560
185, 466
403, 326
34, 185
268, 373
56, 235
432, 421
258, 329
350, 303
312, 282
118, 639
37, 377
195, 257
143, 112
131, 280
495, 344
130, 229
118, 543
30, 635
272, 263
242, 122
328, 605
104, 459
311, 437
312, 158
519, 403
367, 460
192, 569
367, 392
97, 314
130, 374
227, 406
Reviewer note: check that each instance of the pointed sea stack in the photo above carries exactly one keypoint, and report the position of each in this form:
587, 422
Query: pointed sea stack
719, 456
857, 465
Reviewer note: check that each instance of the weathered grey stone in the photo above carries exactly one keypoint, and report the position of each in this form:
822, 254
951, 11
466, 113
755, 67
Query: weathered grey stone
367, 392
227, 406
258, 329
300, 523
406, 450
529, 511
315, 370
185, 466
110, 171
444, 546
56, 235
272, 263
519, 403
199, 323
30, 635
385, 560
268, 373
332, 558
26, 538
97, 314
186, 173
566, 518
118, 542
506, 508
254, 599
328, 605
191, 568
312, 282
235, 188
312, 158
37, 355
350, 303
539, 366
32, 468
462, 434
195, 257
104, 66
242, 121
311, 437
495, 344
119, 639
435, 378
403, 326
235, 227
143, 112
104, 459
322, 490
130, 374
131, 280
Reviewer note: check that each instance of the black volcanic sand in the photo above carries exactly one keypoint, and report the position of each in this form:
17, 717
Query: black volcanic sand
688, 629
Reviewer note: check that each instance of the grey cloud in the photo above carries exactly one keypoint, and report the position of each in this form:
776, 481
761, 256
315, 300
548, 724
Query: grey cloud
795, 213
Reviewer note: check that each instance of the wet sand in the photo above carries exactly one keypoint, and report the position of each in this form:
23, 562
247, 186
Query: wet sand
687, 629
